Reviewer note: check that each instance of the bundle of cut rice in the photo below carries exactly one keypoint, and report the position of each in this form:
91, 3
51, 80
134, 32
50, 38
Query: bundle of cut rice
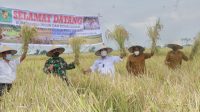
27, 32
196, 47
75, 44
154, 34
119, 34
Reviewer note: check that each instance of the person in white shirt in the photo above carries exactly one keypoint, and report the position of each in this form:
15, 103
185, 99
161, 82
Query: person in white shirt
8, 67
105, 64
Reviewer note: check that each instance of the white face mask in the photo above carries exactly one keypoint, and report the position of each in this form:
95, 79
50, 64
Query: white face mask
104, 53
136, 53
8, 57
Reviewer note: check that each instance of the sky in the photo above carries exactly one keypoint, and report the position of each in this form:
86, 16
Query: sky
180, 18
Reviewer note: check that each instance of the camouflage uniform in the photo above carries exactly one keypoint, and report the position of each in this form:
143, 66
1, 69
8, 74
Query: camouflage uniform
59, 66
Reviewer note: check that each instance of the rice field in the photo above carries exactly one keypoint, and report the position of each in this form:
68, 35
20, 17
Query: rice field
160, 90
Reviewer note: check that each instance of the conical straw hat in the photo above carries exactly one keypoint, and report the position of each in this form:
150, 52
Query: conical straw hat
103, 47
6, 49
174, 46
132, 48
53, 49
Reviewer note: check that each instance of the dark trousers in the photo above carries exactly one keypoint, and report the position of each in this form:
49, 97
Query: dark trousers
4, 87
66, 80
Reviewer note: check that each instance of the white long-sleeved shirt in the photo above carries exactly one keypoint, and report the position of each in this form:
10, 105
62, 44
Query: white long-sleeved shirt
105, 66
8, 70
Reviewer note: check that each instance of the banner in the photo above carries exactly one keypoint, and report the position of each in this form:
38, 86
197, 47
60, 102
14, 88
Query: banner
52, 28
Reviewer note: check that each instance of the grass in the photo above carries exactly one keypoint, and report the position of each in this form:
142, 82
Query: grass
160, 90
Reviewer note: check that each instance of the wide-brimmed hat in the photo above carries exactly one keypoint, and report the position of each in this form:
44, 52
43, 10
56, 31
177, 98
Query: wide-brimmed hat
174, 46
132, 48
7, 49
53, 49
108, 49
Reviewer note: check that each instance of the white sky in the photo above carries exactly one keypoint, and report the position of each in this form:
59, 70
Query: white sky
180, 18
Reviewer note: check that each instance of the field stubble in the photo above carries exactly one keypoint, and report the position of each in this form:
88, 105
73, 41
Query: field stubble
159, 90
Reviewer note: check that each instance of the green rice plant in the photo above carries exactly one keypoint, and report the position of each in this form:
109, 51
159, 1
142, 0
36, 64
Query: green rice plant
75, 44
119, 34
196, 47
154, 34
27, 33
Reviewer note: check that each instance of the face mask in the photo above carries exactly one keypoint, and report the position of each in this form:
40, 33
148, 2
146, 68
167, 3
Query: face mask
56, 54
8, 57
104, 53
136, 53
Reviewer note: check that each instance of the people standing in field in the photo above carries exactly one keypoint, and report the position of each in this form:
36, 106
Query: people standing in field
56, 65
8, 67
175, 56
105, 64
136, 62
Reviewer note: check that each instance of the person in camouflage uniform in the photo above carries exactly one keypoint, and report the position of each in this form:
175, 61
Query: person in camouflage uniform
56, 65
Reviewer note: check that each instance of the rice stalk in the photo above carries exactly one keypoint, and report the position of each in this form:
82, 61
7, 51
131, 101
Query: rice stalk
76, 43
27, 33
154, 34
195, 47
119, 34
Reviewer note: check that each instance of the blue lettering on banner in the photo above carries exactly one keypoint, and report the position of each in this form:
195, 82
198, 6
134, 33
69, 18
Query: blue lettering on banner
63, 32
